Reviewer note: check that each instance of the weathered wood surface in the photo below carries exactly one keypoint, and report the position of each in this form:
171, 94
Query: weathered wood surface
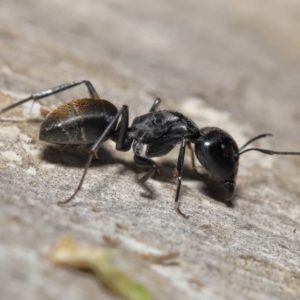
235, 65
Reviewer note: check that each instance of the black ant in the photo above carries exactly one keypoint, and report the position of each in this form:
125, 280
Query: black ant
92, 121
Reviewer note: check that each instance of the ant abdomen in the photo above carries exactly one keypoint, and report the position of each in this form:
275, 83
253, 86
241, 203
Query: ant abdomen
80, 121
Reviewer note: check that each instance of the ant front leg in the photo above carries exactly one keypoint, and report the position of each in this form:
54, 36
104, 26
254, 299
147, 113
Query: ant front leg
188, 144
95, 148
178, 174
52, 91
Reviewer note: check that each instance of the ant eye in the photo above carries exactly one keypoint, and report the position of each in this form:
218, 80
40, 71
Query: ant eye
225, 147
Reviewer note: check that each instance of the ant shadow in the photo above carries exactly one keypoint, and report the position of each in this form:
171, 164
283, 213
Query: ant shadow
77, 157
212, 188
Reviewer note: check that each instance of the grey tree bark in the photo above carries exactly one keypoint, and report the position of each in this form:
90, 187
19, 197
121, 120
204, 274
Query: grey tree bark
231, 64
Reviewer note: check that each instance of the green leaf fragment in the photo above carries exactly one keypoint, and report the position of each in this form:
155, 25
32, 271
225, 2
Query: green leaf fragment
100, 262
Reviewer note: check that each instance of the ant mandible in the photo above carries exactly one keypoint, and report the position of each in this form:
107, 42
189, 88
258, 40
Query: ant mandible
92, 121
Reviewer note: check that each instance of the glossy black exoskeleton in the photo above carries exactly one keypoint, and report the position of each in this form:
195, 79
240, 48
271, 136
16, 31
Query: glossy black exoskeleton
93, 120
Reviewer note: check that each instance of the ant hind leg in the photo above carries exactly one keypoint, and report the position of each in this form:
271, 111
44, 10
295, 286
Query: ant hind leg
52, 91
95, 148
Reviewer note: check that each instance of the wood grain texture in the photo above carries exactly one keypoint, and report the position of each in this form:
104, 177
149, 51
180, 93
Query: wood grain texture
210, 61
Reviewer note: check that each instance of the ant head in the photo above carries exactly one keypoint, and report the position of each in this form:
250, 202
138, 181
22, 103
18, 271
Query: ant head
218, 153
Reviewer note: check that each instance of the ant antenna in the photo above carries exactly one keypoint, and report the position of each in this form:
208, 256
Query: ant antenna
254, 139
270, 152
265, 151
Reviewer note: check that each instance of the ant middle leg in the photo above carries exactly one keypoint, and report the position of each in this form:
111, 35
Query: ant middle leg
142, 161
52, 91
146, 162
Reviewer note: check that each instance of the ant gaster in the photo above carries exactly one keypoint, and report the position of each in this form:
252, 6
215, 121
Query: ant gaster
92, 121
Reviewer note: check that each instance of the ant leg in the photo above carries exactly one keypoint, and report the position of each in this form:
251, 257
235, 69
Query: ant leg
52, 91
188, 144
155, 105
95, 148
145, 162
178, 175
123, 142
